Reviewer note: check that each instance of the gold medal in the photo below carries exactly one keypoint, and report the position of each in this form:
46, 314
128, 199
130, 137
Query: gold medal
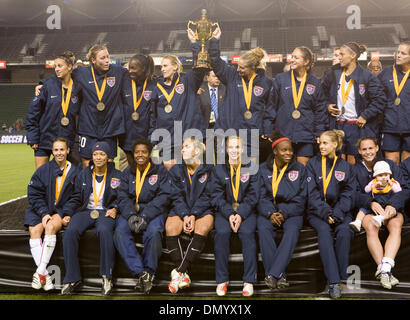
248, 115
296, 114
65, 121
235, 206
135, 116
94, 214
398, 87
397, 101
100, 106
168, 108
137, 207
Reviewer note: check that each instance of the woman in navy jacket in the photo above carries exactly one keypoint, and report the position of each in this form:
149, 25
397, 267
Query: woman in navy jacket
49, 189
143, 199
53, 112
191, 210
396, 118
137, 95
283, 189
235, 196
354, 105
299, 103
331, 187
93, 204
176, 103
247, 103
393, 218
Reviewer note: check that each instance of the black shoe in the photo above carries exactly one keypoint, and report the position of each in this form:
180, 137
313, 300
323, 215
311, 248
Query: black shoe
146, 281
282, 283
68, 288
106, 286
271, 282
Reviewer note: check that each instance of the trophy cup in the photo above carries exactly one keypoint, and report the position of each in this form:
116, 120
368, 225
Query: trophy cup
203, 32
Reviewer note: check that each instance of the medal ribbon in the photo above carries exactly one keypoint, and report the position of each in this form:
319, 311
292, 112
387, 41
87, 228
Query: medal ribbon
247, 91
297, 97
275, 179
139, 181
95, 189
65, 102
100, 93
60, 187
134, 94
346, 93
235, 188
396, 82
326, 179
166, 95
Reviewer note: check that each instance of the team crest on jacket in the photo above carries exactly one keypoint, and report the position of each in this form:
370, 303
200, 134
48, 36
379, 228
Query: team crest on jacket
257, 91
111, 81
74, 99
339, 175
153, 179
180, 88
115, 182
293, 175
310, 89
244, 177
362, 89
147, 95
203, 178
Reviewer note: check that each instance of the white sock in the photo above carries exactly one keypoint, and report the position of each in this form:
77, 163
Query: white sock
379, 267
358, 222
48, 249
35, 248
387, 265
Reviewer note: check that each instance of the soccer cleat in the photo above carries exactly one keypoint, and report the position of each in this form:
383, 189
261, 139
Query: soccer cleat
106, 286
36, 282
385, 280
377, 274
185, 281
334, 291
271, 282
282, 283
49, 284
247, 290
377, 221
393, 280
68, 288
146, 281
176, 276
222, 289
355, 225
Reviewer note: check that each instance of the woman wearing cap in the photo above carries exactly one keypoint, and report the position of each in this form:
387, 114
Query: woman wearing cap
300, 104
53, 112
137, 95
247, 103
94, 205
191, 212
331, 187
392, 212
282, 203
396, 117
143, 201
175, 101
355, 100
235, 196
49, 189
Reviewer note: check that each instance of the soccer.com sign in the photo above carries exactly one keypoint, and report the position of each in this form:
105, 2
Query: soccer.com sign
16, 138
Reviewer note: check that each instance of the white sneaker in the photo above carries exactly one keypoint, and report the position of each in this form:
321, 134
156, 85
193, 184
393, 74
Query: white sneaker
377, 220
176, 276
49, 284
356, 225
393, 280
385, 280
36, 282
185, 281
247, 290
222, 289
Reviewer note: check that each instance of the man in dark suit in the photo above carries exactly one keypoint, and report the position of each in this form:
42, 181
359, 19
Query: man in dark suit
211, 96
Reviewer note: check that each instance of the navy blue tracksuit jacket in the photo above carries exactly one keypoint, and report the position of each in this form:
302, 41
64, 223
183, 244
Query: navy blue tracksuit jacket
313, 120
405, 169
190, 199
396, 119
45, 112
